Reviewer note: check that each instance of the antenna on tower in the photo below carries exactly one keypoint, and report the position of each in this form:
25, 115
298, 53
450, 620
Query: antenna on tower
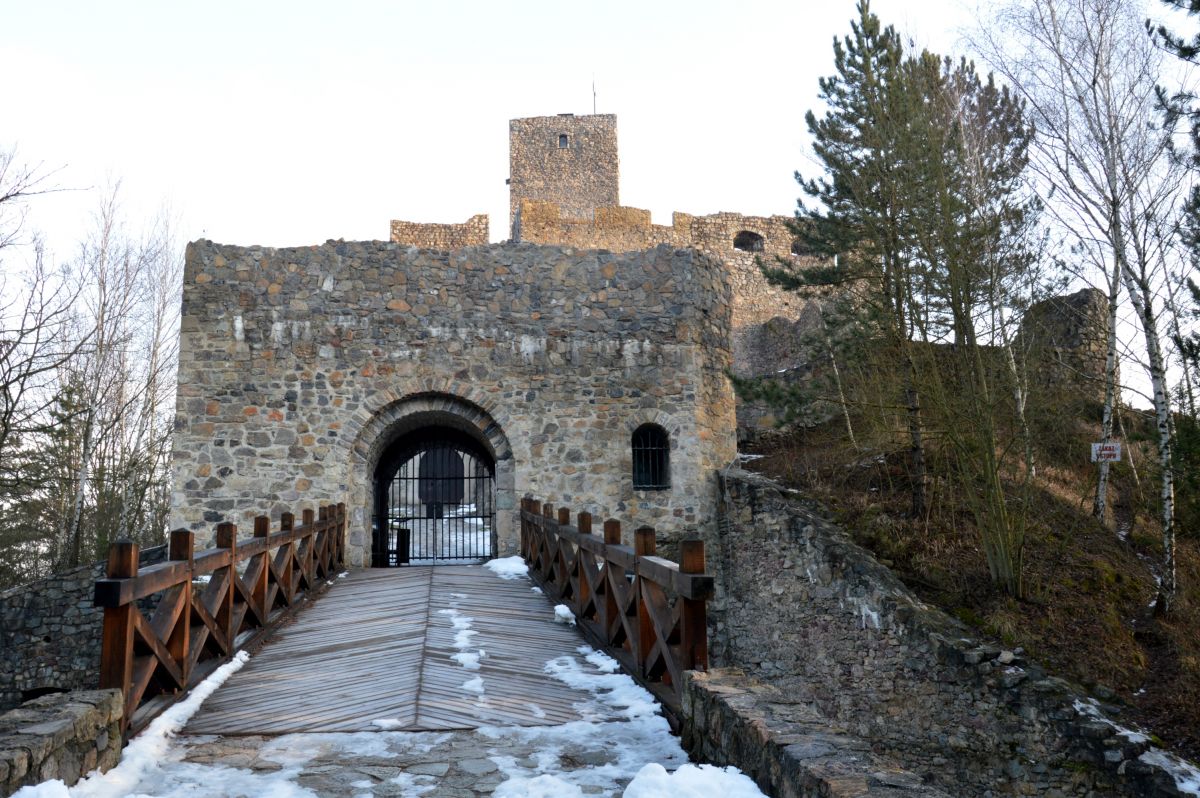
593, 94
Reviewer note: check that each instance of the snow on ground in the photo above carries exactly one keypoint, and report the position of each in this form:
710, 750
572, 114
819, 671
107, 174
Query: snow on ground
145, 753
563, 614
691, 781
1185, 774
513, 567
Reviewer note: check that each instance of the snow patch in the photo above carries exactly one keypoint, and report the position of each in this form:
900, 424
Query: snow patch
469, 659
1186, 775
474, 685
147, 752
563, 614
387, 724
691, 781
508, 567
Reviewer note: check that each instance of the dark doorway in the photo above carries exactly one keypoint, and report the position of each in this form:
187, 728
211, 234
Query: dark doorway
434, 500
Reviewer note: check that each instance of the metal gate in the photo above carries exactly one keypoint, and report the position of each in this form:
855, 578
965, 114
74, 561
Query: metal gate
434, 500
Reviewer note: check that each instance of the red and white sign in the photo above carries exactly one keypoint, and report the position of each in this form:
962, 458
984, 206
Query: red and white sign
1106, 452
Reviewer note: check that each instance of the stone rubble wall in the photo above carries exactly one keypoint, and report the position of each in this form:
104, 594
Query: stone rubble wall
788, 748
298, 365
1068, 337
471, 233
621, 229
803, 609
63, 736
50, 632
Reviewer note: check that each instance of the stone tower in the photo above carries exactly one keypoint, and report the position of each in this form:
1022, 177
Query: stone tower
568, 160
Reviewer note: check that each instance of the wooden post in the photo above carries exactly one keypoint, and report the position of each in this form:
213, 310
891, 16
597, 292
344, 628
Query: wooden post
643, 545
612, 532
116, 646
610, 621
258, 591
341, 536
548, 511
180, 642
306, 566
564, 516
227, 539
325, 539
287, 523
693, 618
584, 522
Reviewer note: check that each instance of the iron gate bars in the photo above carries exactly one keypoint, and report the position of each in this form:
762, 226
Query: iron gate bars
434, 500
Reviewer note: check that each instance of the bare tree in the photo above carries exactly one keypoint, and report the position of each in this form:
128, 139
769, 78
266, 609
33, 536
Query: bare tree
1088, 72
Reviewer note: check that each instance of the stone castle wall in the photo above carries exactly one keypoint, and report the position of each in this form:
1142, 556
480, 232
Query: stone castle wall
471, 233
569, 160
823, 625
297, 366
620, 229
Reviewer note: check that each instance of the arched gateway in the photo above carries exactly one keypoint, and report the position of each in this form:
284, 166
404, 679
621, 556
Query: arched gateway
433, 470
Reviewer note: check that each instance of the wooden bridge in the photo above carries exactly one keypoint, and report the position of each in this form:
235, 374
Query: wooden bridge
409, 648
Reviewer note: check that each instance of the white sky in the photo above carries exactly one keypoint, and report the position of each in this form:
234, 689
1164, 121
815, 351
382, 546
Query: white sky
286, 123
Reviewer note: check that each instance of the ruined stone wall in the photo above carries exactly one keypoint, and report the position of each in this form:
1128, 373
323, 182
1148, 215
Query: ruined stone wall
471, 233
50, 632
579, 173
823, 624
621, 229
1067, 338
298, 365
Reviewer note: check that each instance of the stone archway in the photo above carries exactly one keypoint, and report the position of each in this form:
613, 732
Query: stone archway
409, 415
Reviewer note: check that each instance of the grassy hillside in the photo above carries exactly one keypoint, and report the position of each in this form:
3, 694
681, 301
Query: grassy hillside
1087, 613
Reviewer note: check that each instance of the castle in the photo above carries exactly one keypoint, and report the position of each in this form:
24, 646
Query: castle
564, 175
429, 380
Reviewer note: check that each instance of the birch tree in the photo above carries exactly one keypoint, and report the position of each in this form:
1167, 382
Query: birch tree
1088, 72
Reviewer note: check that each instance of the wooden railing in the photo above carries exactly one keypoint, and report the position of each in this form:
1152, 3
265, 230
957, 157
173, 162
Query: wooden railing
647, 612
195, 626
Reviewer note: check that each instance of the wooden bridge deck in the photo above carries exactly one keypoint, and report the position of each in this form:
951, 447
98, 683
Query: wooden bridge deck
378, 646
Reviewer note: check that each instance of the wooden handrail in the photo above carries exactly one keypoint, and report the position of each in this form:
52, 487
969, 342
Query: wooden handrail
646, 611
195, 626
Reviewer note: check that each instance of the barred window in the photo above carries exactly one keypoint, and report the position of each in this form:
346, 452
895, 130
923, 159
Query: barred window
651, 458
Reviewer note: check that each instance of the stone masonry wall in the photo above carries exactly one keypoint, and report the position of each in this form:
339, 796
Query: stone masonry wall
580, 177
50, 632
621, 229
297, 366
806, 611
471, 233
63, 736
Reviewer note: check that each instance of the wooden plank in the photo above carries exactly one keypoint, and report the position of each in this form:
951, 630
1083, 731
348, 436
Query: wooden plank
380, 646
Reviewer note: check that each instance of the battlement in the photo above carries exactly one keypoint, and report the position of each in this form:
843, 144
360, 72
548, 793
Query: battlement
735, 239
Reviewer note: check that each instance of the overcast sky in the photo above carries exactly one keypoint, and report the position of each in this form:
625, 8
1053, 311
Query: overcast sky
285, 123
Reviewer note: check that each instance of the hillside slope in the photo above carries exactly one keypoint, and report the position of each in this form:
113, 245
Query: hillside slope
1090, 588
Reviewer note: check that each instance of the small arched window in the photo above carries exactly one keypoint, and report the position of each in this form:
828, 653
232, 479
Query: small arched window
799, 250
562, 141
747, 241
651, 458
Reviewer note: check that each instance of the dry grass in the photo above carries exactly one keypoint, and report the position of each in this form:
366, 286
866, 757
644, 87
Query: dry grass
1086, 614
